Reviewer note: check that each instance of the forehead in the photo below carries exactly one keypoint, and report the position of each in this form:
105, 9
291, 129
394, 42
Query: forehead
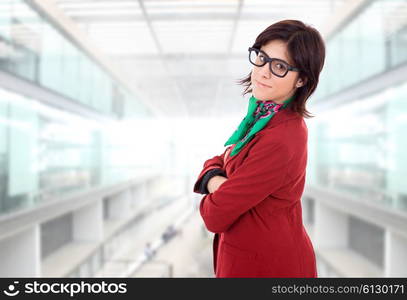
276, 49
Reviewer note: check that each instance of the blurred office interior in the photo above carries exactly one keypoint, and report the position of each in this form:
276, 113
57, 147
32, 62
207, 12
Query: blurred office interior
109, 108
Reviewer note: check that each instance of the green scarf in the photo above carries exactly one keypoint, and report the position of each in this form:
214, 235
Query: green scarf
258, 115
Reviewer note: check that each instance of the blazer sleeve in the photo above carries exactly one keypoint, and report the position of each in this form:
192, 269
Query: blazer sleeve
203, 188
262, 173
215, 162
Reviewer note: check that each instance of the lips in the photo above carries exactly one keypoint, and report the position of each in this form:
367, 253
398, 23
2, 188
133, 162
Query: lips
262, 84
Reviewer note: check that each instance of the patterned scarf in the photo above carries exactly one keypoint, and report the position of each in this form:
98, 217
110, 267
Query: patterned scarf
258, 115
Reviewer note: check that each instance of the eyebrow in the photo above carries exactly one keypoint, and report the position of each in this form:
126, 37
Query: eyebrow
262, 51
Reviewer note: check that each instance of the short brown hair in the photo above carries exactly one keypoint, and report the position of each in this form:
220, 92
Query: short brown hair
307, 50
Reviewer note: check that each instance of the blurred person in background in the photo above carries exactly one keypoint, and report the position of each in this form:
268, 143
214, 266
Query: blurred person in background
253, 190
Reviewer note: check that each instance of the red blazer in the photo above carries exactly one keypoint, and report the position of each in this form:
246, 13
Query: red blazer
256, 214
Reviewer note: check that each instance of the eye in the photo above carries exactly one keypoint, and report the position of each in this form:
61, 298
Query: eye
281, 67
262, 57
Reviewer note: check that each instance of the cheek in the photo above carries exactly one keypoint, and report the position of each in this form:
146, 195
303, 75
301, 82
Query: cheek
252, 76
255, 73
290, 80
284, 84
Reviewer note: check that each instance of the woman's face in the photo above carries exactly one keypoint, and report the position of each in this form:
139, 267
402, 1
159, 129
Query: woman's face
278, 89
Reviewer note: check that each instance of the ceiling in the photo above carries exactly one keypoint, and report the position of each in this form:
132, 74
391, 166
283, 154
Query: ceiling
184, 57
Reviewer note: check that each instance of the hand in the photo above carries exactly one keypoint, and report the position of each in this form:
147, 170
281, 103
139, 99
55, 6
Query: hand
215, 182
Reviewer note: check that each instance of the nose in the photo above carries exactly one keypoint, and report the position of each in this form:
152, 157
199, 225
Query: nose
264, 71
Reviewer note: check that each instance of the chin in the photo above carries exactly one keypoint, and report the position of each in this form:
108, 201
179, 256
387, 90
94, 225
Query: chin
262, 96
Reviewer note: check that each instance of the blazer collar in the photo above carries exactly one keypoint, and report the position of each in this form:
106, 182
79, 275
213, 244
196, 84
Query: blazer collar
282, 116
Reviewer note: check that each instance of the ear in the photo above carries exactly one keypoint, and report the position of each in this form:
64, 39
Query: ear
301, 82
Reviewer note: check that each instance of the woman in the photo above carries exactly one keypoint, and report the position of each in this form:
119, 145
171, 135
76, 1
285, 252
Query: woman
253, 190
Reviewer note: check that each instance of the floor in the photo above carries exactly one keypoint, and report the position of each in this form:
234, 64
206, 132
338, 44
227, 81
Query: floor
187, 254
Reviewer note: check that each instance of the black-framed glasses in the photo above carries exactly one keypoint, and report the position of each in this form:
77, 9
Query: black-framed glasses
277, 66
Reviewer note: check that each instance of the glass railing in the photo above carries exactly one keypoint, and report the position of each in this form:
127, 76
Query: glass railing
372, 42
359, 148
33, 48
46, 153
